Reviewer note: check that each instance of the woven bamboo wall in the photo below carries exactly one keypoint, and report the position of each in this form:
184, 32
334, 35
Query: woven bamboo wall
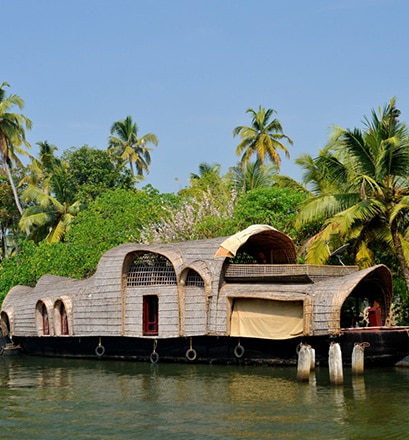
329, 296
105, 305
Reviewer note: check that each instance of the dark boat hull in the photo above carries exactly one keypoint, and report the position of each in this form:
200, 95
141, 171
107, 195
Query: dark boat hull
382, 346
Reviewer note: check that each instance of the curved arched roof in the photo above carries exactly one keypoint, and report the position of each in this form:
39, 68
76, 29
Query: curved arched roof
260, 237
330, 295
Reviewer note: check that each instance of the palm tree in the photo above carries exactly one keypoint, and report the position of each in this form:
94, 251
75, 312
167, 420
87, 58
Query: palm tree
206, 169
12, 135
40, 171
369, 208
9, 217
319, 172
208, 185
124, 142
252, 175
46, 156
50, 215
263, 138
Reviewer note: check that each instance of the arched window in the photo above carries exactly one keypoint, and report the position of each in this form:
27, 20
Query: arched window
64, 319
151, 269
193, 279
61, 318
45, 321
42, 318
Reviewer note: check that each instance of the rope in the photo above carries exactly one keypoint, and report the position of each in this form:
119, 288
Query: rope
362, 345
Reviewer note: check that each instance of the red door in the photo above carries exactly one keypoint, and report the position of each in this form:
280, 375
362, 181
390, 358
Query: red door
150, 315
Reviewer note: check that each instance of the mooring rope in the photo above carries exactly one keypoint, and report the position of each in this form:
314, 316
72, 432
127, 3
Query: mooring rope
362, 345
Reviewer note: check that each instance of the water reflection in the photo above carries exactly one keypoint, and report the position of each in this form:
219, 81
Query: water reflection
49, 398
358, 387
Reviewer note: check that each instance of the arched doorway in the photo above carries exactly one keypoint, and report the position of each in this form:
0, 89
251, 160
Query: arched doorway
61, 318
42, 319
5, 324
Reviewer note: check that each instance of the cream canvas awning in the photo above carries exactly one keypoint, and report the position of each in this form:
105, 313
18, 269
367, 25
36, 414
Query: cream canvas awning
230, 245
267, 319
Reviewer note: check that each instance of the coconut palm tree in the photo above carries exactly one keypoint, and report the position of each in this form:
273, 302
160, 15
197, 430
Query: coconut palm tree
49, 216
263, 138
126, 145
12, 135
40, 171
252, 175
208, 185
9, 217
368, 201
319, 172
206, 169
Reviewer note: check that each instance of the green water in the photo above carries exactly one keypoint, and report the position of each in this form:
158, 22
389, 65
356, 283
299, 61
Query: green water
75, 399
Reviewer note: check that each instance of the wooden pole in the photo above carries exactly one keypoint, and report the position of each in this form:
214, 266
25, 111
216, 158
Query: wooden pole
304, 363
358, 359
312, 358
336, 375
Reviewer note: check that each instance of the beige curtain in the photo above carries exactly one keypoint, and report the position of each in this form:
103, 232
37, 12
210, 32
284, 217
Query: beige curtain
267, 319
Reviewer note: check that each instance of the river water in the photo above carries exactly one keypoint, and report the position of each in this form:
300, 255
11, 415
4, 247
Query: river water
96, 399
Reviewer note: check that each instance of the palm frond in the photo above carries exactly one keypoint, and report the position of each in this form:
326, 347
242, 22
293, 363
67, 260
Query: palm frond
364, 256
33, 217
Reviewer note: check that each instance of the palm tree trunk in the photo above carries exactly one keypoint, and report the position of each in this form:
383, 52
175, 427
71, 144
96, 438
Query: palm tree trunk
3, 242
13, 187
131, 167
400, 255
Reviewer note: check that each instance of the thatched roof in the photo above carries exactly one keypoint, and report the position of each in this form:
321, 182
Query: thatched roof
258, 238
106, 304
329, 296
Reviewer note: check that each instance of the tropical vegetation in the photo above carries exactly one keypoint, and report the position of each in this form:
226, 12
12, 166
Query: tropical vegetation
59, 214
12, 135
262, 138
361, 194
125, 145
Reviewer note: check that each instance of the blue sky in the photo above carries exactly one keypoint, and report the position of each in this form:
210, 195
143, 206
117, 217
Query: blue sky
187, 70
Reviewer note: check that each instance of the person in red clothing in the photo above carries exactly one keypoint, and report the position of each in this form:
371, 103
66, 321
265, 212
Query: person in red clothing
375, 315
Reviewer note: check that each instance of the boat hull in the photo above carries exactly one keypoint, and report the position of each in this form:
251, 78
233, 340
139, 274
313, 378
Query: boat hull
382, 346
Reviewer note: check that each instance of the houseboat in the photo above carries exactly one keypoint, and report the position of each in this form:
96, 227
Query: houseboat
232, 299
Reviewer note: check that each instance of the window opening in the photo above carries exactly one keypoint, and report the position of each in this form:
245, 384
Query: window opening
243, 258
63, 319
193, 279
150, 315
46, 323
150, 269
61, 326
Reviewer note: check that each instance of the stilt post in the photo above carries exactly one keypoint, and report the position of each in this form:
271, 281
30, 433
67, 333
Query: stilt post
357, 359
304, 362
336, 374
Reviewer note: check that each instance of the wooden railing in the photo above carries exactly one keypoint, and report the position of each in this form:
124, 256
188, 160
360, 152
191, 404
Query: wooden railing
302, 273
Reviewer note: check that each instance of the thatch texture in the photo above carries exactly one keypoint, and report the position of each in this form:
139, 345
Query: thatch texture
196, 286
374, 283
